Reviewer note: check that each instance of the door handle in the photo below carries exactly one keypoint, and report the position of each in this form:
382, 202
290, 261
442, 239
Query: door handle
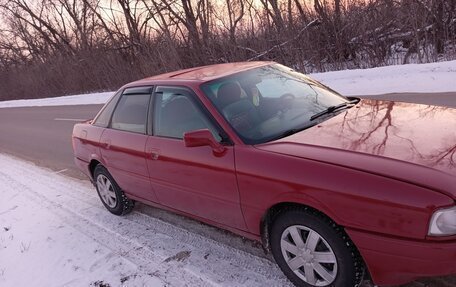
154, 153
107, 144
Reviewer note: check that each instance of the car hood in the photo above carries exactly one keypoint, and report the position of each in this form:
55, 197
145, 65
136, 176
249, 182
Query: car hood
402, 140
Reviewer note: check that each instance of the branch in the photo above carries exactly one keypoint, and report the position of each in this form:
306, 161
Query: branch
313, 23
247, 48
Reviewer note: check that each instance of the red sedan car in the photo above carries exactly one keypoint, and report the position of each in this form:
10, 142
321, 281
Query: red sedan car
335, 187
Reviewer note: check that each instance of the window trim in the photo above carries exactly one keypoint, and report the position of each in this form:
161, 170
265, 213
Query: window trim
150, 113
138, 90
199, 104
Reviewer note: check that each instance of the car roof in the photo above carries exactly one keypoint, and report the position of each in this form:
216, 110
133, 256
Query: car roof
205, 73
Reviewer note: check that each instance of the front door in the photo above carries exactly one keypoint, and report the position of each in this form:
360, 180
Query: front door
190, 179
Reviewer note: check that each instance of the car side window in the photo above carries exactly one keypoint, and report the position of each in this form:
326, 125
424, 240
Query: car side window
177, 112
102, 119
131, 113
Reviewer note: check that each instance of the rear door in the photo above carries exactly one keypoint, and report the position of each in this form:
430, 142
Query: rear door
123, 143
193, 180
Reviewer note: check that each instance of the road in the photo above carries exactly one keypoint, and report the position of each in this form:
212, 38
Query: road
43, 135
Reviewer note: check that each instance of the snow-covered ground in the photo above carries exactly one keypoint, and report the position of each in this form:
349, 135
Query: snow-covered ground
54, 231
412, 78
85, 99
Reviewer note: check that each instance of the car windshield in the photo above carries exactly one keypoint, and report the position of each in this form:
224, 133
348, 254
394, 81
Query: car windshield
271, 102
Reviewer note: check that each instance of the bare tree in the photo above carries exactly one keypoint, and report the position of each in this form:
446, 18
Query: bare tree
235, 11
58, 47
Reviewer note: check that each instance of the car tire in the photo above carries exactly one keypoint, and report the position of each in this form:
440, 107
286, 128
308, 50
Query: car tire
112, 197
312, 250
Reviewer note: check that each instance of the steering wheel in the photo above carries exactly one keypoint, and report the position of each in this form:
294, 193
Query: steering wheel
286, 101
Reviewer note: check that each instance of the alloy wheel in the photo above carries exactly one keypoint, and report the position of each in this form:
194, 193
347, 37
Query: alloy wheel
106, 191
309, 255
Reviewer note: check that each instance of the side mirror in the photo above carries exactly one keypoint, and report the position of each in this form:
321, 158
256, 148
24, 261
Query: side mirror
203, 138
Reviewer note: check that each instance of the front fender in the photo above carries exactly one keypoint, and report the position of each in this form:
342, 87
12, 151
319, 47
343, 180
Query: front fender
352, 198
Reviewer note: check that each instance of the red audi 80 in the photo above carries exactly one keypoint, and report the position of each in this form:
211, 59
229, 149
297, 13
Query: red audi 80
335, 187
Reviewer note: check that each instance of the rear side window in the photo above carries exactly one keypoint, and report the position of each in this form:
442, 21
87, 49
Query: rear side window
102, 120
131, 113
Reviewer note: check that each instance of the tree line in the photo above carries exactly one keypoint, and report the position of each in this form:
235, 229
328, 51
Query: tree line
58, 47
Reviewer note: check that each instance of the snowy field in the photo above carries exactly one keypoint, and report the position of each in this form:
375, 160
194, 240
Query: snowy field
86, 99
54, 231
412, 78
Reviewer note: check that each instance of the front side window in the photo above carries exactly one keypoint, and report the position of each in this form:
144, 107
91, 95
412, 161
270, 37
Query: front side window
177, 112
131, 113
270, 102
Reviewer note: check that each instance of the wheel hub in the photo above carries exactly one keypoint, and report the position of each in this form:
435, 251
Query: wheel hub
307, 255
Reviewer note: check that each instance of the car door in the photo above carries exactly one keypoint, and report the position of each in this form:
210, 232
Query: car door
193, 180
123, 143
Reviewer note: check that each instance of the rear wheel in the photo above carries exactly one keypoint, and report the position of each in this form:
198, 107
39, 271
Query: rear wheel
112, 197
313, 251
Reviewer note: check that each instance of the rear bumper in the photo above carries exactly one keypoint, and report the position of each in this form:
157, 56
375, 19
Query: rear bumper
83, 166
393, 261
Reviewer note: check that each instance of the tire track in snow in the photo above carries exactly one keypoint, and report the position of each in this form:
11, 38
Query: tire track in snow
147, 261
184, 235
144, 240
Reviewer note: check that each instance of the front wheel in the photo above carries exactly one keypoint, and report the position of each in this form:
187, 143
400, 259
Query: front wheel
112, 197
313, 251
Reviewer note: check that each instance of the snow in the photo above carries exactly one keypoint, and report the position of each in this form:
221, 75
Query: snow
411, 78
54, 231
85, 99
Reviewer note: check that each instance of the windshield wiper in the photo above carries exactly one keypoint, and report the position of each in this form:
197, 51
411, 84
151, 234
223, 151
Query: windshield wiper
332, 109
